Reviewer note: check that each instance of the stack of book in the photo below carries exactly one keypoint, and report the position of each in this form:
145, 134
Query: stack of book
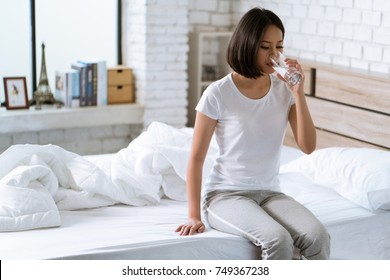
85, 84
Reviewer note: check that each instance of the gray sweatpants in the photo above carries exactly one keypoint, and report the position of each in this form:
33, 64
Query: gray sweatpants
272, 220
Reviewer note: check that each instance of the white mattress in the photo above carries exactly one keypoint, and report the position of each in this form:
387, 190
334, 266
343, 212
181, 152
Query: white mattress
148, 232
356, 233
126, 232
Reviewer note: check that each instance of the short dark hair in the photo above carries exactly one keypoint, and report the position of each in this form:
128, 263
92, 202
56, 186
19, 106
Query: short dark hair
245, 42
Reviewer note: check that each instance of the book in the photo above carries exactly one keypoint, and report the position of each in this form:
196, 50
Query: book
94, 83
67, 88
60, 92
83, 79
91, 82
99, 81
73, 88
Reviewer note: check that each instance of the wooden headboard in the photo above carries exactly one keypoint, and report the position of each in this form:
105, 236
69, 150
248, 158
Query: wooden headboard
349, 108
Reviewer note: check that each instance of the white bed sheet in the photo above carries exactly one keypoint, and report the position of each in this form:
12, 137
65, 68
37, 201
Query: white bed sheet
356, 233
127, 232
124, 232
147, 232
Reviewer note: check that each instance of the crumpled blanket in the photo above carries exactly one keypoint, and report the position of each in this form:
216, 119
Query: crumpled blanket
37, 181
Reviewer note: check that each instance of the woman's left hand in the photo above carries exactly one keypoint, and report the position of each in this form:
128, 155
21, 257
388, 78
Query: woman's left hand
300, 86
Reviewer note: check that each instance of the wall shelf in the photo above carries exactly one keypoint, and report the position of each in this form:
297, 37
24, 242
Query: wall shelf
49, 118
207, 52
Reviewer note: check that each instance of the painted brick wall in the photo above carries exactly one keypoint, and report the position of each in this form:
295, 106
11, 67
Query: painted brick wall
156, 47
209, 16
351, 33
83, 141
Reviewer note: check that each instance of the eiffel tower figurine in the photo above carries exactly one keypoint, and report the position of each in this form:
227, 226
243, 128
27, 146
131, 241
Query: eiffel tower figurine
43, 94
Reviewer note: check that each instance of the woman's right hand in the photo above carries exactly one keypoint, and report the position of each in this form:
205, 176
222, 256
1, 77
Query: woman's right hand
194, 225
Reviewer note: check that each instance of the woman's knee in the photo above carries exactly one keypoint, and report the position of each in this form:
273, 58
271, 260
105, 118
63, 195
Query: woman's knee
284, 236
278, 245
277, 237
317, 243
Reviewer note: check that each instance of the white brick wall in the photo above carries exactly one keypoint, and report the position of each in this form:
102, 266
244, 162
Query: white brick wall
353, 33
83, 141
207, 15
158, 55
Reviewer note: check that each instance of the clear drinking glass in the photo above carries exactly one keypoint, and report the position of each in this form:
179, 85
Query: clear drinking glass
290, 74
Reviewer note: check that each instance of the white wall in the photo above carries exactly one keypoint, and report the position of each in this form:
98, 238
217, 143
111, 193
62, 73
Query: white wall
352, 33
210, 15
83, 141
156, 48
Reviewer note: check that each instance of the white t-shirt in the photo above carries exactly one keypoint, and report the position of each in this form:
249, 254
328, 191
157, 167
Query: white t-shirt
249, 134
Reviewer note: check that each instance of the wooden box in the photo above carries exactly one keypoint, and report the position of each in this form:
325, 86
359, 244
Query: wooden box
120, 85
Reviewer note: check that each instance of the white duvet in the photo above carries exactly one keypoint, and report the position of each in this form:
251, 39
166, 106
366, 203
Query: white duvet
36, 181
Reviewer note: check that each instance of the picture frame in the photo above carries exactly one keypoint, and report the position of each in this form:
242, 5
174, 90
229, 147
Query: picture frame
15, 90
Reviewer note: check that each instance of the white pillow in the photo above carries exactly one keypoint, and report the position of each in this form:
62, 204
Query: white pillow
359, 174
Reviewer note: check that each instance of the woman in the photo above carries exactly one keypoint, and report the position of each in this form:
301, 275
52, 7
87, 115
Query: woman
248, 111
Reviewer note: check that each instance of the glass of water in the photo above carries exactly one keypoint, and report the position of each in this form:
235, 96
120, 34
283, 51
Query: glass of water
290, 74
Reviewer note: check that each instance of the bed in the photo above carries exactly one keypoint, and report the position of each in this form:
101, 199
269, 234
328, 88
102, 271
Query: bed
55, 204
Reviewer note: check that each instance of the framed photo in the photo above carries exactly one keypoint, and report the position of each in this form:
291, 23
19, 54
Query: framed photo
16, 93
